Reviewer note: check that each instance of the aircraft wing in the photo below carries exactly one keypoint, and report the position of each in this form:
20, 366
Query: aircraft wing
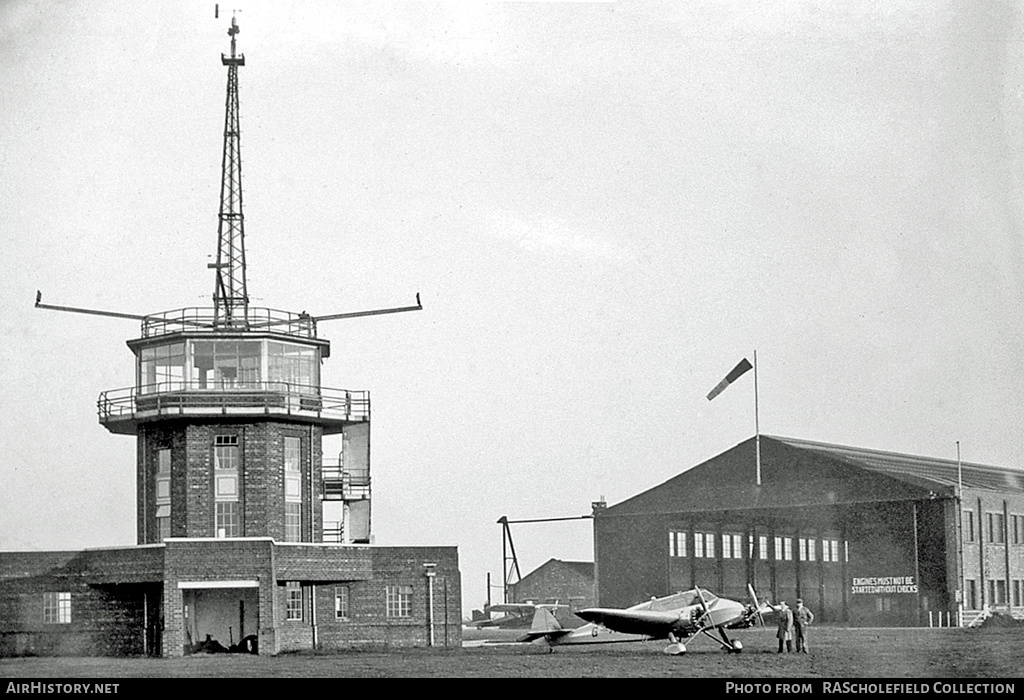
513, 608
656, 623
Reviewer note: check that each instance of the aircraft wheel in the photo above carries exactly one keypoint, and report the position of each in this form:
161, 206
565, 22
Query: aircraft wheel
737, 647
675, 649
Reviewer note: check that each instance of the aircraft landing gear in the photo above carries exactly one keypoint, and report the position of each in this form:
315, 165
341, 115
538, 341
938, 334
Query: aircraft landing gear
675, 648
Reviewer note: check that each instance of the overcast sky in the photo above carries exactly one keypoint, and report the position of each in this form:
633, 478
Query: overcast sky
604, 207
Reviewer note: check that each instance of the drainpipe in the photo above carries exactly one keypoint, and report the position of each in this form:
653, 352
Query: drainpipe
431, 573
312, 614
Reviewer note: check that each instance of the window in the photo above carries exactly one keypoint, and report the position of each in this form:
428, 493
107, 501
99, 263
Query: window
227, 519
830, 550
997, 591
162, 368
1018, 592
399, 603
163, 494
292, 522
225, 452
676, 543
57, 607
972, 595
341, 602
704, 545
968, 526
293, 365
293, 604
806, 549
996, 528
1017, 529
225, 364
762, 545
883, 604
783, 548
732, 546
292, 490
225, 463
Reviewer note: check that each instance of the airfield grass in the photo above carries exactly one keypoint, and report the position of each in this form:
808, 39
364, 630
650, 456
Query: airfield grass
836, 653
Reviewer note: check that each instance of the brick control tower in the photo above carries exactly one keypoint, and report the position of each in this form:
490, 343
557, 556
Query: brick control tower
246, 539
228, 407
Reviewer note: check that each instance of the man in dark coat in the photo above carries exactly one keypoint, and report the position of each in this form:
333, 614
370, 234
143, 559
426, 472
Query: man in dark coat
785, 632
802, 619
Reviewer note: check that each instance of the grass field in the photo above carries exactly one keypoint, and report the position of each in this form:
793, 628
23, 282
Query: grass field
837, 653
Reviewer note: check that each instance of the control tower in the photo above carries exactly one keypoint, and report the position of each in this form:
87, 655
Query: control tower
247, 539
228, 408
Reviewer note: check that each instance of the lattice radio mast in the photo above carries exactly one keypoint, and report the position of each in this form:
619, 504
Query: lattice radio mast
230, 294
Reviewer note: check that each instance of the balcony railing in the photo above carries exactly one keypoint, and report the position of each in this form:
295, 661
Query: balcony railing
201, 320
343, 484
271, 398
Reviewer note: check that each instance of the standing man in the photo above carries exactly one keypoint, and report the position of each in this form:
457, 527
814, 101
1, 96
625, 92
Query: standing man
802, 619
785, 633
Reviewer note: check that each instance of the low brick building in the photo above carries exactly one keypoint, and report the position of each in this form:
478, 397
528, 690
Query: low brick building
555, 581
167, 599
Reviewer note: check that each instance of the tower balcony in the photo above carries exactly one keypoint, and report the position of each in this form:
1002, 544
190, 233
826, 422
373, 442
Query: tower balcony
341, 484
123, 410
204, 321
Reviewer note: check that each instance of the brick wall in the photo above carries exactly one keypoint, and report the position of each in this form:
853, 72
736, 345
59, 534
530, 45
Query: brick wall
106, 618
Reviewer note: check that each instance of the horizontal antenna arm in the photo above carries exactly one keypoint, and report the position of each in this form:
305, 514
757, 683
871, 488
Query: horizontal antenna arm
376, 312
94, 312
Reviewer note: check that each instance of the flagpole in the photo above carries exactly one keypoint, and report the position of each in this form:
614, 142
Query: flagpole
757, 424
961, 583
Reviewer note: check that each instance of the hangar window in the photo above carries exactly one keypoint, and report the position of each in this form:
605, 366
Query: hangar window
704, 545
783, 548
968, 525
1018, 592
1017, 529
806, 549
341, 602
732, 546
293, 603
57, 607
676, 543
996, 528
997, 591
883, 604
762, 546
399, 601
830, 550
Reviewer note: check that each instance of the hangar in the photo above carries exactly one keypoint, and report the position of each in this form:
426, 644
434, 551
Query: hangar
865, 537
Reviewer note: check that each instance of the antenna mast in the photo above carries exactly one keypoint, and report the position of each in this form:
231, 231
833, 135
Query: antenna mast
230, 295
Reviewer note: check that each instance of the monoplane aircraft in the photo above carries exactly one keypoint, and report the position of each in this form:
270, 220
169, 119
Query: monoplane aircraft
678, 617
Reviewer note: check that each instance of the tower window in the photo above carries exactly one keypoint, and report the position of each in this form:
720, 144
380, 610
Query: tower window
227, 518
226, 490
163, 494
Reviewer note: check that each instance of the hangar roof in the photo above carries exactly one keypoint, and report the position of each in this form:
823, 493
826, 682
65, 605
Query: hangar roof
803, 473
921, 470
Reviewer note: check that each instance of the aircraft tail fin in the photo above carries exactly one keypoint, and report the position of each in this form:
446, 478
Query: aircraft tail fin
544, 625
